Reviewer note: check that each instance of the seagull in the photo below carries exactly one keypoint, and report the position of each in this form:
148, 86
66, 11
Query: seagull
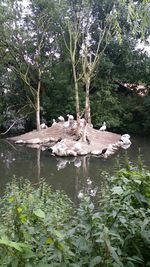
103, 128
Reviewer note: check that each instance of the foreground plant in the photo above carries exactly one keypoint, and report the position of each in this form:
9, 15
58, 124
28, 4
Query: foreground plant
39, 227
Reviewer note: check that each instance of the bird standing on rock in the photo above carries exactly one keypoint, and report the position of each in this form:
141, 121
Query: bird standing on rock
103, 128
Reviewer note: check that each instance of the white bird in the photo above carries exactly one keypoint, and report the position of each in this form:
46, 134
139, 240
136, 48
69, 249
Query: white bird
82, 122
80, 194
54, 122
66, 125
103, 128
61, 119
70, 117
43, 126
125, 138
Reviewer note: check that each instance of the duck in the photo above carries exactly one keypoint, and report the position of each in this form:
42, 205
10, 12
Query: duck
103, 127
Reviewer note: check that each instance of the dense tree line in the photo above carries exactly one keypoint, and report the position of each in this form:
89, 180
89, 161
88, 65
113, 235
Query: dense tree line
60, 57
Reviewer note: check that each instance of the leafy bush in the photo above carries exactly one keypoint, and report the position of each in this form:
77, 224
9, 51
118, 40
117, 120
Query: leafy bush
41, 228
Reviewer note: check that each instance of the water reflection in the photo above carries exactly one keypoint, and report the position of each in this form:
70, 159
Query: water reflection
73, 175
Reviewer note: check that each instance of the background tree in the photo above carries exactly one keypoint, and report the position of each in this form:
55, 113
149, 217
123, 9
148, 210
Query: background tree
35, 65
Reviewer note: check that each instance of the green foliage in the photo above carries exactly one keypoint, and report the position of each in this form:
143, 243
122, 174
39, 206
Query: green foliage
40, 227
33, 223
22, 56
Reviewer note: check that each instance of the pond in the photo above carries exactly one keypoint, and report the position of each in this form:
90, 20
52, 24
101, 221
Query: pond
69, 174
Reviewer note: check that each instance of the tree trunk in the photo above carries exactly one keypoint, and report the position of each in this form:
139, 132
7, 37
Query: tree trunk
38, 127
87, 104
76, 97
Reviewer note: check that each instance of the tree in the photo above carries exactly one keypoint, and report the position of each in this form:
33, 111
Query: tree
30, 44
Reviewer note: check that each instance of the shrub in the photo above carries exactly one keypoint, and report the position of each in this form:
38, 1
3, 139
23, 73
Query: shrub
42, 228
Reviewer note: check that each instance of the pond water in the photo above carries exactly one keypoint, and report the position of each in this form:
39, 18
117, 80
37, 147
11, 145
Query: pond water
68, 174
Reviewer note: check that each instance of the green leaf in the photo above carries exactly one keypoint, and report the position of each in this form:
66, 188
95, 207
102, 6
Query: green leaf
145, 223
135, 259
19, 209
91, 206
95, 261
39, 213
45, 265
117, 190
28, 265
137, 181
8, 243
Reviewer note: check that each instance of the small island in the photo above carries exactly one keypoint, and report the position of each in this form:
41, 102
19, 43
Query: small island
64, 141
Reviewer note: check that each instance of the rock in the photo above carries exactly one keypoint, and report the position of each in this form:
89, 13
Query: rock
51, 139
126, 146
96, 152
34, 141
78, 146
59, 149
20, 142
70, 152
46, 140
82, 152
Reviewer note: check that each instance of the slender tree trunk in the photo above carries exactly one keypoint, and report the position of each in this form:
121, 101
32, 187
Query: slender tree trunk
87, 104
76, 97
38, 103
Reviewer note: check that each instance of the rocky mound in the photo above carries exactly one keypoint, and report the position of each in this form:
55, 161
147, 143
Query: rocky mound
65, 143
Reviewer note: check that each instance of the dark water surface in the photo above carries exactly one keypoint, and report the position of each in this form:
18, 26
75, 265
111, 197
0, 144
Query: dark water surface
68, 174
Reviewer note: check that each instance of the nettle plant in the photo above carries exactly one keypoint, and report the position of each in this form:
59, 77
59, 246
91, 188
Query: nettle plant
43, 228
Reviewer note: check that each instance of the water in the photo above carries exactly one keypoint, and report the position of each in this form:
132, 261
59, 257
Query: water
68, 174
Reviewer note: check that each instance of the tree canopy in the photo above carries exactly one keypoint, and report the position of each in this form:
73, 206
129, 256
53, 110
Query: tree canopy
61, 56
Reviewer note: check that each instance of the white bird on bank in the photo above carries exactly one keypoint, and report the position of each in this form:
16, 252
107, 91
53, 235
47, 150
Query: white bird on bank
70, 117
61, 119
125, 138
54, 122
82, 122
43, 126
103, 128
